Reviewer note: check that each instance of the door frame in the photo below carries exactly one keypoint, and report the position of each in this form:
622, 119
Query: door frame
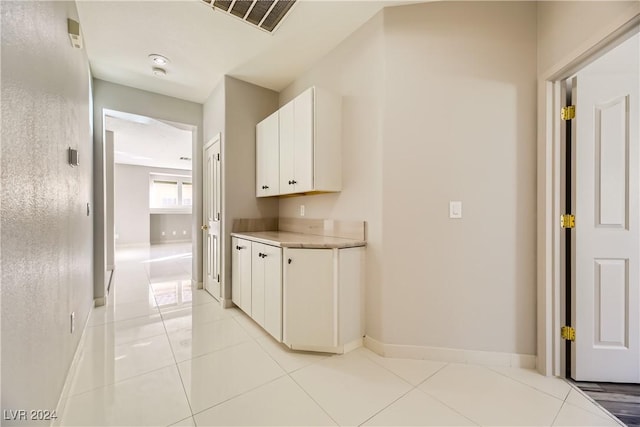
217, 138
550, 246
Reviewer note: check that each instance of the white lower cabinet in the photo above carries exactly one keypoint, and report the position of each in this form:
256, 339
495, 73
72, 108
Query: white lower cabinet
309, 299
323, 299
241, 273
256, 285
266, 287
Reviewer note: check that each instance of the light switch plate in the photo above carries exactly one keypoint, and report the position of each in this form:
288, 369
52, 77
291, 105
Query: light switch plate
455, 209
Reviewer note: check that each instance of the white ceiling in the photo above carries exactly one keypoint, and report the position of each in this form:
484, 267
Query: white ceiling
148, 142
204, 44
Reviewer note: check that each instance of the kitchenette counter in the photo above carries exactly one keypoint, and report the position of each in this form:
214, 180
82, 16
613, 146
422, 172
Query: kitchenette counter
287, 239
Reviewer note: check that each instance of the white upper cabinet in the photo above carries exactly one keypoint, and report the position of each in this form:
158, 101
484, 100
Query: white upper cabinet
309, 152
267, 156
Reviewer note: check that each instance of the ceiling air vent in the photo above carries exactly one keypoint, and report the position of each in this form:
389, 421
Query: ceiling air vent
264, 14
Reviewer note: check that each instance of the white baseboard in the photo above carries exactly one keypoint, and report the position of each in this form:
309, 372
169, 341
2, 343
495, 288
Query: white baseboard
350, 346
196, 285
453, 355
227, 303
71, 374
99, 302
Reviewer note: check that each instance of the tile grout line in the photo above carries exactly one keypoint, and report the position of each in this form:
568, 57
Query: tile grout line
119, 382
442, 402
386, 406
314, 400
608, 414
184, 389
525, 384
235, 396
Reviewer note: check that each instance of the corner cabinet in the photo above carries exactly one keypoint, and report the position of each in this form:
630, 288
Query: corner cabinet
323, 299
308, 135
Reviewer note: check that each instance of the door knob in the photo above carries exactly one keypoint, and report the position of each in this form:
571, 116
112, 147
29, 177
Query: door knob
204, 227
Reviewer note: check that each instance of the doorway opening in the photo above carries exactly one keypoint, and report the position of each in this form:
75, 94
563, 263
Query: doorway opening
149, 196
599, 257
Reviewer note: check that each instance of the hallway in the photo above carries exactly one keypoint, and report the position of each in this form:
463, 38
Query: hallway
161, 353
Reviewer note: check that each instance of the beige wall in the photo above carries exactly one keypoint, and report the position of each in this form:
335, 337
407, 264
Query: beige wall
233, 109
460, 125
569, 28
355, 71
440, 105
47, 236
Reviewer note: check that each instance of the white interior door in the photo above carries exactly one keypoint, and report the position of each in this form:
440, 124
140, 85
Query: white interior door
211, 217
605, 285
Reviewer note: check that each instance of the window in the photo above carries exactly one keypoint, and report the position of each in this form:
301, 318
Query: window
170, 193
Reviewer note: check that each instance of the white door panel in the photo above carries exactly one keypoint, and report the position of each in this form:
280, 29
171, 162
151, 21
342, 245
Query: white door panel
606, 240
211, 217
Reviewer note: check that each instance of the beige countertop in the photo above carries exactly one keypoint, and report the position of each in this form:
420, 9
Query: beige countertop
286, 239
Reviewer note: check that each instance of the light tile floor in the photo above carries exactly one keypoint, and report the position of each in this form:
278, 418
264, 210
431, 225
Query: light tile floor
162, 353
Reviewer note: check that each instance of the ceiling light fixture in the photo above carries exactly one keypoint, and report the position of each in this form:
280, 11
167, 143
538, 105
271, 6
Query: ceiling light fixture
158, 59
160, 72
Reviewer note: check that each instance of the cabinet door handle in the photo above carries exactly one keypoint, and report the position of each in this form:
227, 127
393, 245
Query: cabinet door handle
290, 260
294, 182
264, 255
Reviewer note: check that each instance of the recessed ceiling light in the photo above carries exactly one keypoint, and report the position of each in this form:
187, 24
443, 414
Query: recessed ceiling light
158, 59
160, 72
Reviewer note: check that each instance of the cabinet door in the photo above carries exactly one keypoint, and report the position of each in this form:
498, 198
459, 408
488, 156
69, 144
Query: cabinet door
304, 139
287, 147
309, 298
268, 157
241, 274
257, 283
273, 291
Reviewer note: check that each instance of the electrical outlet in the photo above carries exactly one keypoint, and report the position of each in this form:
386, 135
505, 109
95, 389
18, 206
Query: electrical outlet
73, 321
301, 210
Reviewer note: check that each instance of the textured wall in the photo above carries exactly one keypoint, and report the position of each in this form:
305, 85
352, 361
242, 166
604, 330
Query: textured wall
46, 235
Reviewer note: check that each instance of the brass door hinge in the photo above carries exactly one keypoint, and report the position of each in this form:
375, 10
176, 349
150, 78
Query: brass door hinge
568, 112
568, 333
567, 221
